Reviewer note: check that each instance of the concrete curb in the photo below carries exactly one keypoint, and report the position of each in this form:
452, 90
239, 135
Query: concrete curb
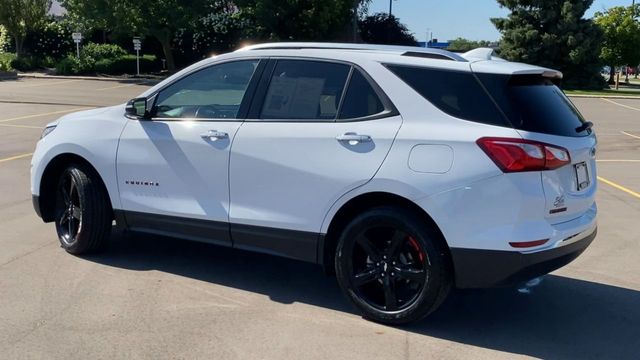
8, 75
96, 78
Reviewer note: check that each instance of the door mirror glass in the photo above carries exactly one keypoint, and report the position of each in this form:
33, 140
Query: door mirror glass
137, 108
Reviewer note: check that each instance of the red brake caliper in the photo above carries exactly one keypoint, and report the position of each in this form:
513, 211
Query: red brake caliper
416, 247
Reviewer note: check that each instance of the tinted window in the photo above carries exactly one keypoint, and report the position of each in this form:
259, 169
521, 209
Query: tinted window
361, 99
534, 103
304, 90
214, 93
456, 93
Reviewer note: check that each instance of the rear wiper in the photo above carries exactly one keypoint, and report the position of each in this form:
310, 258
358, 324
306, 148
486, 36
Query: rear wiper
585, 126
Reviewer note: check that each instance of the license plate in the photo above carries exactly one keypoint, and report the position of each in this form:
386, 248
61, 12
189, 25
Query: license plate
582, 175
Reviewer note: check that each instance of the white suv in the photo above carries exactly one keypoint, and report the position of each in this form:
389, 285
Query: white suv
407, 170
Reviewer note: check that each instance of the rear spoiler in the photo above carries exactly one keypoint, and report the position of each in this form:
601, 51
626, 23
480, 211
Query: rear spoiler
485, 60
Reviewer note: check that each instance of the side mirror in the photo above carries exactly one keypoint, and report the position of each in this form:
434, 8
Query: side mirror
137, 108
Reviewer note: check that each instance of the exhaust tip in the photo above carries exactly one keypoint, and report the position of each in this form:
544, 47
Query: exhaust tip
528, 286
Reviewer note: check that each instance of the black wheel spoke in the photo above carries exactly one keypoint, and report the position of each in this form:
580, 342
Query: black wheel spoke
397, 240
390, 293
64, 217
76, 212
66, 196
368, 247
366, 276
70, 233
72, 186
415, 275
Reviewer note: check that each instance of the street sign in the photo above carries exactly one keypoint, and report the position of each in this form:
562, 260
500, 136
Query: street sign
137, 46
77, 37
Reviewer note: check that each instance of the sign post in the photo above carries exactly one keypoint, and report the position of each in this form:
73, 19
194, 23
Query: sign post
137, 45
77, 37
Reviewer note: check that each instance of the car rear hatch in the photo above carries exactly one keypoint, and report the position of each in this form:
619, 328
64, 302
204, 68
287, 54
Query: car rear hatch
534, 105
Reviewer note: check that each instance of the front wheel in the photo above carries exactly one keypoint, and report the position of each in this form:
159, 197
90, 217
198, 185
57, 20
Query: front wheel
83, 212
392, 265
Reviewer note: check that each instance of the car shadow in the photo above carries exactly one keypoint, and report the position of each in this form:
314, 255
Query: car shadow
561, 318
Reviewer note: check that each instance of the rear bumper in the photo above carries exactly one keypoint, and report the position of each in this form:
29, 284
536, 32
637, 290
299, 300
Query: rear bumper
476, 268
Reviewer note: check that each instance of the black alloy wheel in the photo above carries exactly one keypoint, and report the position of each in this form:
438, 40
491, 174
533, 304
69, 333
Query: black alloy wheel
68, 210
83, 213
392, 265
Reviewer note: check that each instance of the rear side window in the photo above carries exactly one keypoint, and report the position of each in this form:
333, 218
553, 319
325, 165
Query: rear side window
360, 99
534, 103
305, 90
456, 93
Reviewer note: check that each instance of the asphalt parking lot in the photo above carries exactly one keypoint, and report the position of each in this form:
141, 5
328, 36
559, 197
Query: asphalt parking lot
157, 298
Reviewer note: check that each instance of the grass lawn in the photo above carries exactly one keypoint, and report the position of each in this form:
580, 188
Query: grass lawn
604, 92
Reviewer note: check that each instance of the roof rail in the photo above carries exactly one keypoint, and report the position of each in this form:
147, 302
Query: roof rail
401, 50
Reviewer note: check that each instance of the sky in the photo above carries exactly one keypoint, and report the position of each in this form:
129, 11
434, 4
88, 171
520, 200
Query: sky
450, 19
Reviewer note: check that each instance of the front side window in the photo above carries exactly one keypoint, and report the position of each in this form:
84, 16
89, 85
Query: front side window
212, 93
305, 90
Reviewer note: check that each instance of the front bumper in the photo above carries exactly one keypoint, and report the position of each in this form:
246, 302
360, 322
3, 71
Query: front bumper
475, 268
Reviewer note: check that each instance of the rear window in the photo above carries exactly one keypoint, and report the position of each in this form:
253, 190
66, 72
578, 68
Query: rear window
525, 102
534, 103
456, 93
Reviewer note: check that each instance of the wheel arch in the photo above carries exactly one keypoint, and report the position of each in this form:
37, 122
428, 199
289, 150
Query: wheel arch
357, 205
49, 180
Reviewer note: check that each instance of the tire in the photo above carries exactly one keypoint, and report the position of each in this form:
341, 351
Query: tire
393, 266
83, 211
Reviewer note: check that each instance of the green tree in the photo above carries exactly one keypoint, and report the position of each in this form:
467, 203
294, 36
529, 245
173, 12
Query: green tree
158, 18
21, 16
297, 20
554, 34
621, 45
463, 45
381, 28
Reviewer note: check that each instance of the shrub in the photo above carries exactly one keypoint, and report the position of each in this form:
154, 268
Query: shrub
67, 65
71, 65
53, 38
4, 39
126, 64
102, 51
5, 61
25, 63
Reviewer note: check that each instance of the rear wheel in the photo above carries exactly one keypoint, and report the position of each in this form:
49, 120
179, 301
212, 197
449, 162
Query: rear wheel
392, 265
83, 213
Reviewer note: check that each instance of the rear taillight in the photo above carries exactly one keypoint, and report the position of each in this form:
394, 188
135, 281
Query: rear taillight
518, 155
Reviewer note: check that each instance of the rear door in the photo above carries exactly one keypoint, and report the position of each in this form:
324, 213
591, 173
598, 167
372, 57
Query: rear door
540, 111
308, 143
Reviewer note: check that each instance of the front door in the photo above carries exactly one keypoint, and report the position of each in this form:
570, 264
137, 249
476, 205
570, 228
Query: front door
173, 169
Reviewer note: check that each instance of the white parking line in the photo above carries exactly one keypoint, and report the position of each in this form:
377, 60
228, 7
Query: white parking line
619, 187
44, 114
22, 126
623, 105
47, 83
116, 87
633, 136
15, 157
618, 160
